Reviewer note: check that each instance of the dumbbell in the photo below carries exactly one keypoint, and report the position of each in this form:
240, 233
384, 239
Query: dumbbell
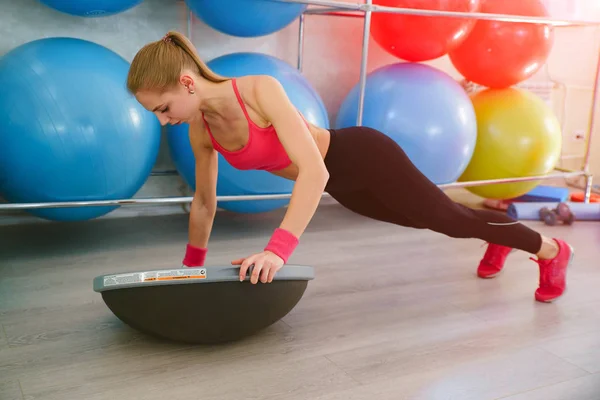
562, 213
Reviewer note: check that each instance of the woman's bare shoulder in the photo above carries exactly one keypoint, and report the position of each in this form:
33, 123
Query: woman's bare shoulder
252, 86
249, 85
198, 135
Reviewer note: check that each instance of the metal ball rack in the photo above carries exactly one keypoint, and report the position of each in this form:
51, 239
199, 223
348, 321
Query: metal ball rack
365, 11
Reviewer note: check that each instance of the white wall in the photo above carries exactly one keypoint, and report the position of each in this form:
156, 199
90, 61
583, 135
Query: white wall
331, 60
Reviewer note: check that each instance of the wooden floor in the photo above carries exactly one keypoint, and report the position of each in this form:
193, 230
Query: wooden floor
393, 314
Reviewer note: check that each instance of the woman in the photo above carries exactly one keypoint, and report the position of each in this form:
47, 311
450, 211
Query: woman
253, 124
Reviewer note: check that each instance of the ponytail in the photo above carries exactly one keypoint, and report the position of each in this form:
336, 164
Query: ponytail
187, 46
158, 65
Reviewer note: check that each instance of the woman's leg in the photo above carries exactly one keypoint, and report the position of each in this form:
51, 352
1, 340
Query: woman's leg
363, 202
394, 189
399, 193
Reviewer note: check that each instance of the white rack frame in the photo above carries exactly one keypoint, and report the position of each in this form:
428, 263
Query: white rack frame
365, 11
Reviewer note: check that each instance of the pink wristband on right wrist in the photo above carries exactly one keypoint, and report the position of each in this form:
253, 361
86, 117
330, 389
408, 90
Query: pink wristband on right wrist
194, 256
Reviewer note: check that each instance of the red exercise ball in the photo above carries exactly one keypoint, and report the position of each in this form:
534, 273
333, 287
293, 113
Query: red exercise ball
420, 38
500, 54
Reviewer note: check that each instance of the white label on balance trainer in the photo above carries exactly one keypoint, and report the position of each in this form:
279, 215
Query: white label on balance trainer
123, 279
165, 275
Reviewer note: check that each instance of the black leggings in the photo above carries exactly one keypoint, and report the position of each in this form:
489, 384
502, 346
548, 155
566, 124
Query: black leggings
371, 175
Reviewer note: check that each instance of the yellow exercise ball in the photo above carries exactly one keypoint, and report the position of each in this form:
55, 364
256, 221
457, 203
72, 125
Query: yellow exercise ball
518, 135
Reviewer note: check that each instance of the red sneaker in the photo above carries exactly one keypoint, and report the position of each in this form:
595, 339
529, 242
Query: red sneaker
553, 273
493, 260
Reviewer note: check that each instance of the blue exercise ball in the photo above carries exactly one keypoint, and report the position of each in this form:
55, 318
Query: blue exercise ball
246, 18
69, 130
234, 182
91, 8
422, 109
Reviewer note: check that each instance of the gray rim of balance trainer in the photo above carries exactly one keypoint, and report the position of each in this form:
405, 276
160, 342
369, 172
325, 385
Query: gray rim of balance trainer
177, 276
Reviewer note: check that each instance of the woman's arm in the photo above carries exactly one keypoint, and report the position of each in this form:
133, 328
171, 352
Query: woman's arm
274, 105
204, 203
295, 137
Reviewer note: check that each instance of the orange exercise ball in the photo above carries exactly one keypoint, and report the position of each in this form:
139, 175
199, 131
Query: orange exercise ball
420, 38
518, 135
499, 54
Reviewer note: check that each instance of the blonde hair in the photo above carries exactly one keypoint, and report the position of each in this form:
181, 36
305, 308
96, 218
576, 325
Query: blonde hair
158, 65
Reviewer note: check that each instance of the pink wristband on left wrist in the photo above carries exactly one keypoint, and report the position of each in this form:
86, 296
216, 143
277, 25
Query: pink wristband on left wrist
283, 243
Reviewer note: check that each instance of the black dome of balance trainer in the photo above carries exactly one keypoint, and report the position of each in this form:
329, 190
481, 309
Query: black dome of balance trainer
202, 305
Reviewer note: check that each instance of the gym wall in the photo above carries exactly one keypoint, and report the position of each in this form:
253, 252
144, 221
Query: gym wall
331, 63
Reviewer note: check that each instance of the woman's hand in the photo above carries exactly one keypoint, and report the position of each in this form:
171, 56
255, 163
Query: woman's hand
266, 265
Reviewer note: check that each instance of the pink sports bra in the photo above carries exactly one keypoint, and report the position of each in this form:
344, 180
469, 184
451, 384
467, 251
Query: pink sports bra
263, 151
